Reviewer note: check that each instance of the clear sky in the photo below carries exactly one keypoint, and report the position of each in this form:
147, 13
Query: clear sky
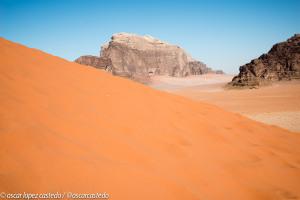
222, 34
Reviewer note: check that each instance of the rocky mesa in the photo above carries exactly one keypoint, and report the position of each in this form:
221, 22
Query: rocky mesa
282, 62
140, 57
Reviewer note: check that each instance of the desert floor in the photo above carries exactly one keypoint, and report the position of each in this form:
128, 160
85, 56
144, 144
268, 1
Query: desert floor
277, 104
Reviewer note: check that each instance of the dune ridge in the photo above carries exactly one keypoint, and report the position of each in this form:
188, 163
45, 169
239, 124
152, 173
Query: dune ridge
65, 127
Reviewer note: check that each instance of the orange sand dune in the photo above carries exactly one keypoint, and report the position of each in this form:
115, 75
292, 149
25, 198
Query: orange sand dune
70, 128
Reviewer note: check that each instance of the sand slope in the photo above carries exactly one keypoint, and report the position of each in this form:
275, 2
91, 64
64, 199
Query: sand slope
66, 127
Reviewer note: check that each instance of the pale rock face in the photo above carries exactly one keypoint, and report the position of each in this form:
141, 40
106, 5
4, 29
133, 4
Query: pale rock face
140, 57
136, 56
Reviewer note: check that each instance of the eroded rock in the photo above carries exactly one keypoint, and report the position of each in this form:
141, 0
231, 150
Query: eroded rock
95, 61
282, 62
140, 57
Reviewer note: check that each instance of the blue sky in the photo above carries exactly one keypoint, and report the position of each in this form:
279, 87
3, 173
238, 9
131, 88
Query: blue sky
223, 34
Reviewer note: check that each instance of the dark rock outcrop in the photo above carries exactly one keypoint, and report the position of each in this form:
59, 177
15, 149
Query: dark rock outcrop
198, 68
140, 57
282, 62
98, 62
219, 72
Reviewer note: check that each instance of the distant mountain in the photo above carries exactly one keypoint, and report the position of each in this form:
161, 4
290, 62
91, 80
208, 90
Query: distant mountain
140, 57
282, 62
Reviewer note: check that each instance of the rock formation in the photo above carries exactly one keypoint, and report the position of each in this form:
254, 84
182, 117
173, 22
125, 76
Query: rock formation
282, 62
98, 62
198, 68
140, 57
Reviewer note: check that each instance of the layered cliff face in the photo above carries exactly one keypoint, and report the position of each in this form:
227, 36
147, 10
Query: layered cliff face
140, 57
282, 62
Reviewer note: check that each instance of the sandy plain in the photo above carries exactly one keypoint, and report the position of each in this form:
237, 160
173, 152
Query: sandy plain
277, 104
